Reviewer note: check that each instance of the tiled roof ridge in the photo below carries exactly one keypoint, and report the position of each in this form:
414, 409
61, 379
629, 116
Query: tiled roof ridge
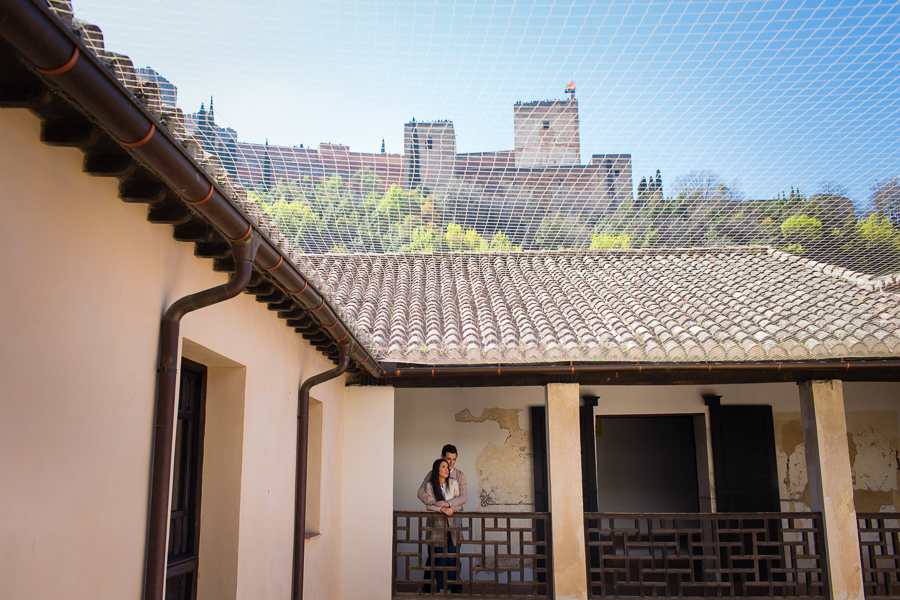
889, 282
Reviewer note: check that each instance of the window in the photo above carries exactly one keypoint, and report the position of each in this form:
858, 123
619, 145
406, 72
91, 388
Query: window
546, 124
429, 144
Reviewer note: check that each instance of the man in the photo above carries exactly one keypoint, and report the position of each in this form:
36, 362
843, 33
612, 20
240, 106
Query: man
448, 453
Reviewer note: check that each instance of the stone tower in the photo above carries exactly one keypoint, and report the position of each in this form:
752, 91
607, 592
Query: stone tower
429, 154
546, 133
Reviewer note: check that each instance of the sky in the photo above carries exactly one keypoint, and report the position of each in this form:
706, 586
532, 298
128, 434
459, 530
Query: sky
768, 95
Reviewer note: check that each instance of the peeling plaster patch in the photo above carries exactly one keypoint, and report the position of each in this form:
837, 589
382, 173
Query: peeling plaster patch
872, 439
867, 501
504, 472
793, 484
875, 463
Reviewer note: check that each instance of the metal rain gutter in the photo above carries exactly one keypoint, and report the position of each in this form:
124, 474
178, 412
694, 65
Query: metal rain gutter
63, 61
244, 252
646, 367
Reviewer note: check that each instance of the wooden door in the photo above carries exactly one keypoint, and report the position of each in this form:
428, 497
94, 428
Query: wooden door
184, 517
743, 439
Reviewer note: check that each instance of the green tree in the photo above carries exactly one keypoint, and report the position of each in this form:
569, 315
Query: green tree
609, 240
457, 240
886, 198
502, 243
366, 183
801, 231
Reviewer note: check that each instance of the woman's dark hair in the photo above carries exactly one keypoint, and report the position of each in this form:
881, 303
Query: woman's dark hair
436, 480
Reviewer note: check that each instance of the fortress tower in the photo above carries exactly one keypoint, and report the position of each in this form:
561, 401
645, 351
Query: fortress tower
546, 133
429, 152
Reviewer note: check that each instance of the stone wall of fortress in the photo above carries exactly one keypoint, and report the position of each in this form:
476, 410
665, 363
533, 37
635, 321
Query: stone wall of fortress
546, 133
544, 171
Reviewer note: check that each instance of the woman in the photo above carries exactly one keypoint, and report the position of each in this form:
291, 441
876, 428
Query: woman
441, 487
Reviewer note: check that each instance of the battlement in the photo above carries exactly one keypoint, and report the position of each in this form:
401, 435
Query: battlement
438, 123
328, 148
599, 159
545, 102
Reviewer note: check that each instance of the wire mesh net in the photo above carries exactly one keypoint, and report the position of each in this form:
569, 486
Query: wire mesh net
560, 127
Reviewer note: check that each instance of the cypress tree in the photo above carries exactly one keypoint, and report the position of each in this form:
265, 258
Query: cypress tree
268, 179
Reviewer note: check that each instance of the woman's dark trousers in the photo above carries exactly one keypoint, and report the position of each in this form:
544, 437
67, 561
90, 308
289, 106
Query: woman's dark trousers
443, 561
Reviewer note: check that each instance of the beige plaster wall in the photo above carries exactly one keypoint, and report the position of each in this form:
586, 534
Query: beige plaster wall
367, 499
492, 457
873, 439
86, 279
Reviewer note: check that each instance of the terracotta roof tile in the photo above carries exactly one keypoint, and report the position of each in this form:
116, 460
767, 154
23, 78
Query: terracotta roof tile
682, 306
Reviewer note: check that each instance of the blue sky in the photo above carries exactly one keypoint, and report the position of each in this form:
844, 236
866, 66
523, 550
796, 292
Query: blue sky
765, 94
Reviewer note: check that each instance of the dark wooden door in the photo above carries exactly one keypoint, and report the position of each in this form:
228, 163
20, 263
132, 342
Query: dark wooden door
184, 517
743, 439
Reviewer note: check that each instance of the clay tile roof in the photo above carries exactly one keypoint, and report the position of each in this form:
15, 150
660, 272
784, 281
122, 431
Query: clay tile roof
742, 304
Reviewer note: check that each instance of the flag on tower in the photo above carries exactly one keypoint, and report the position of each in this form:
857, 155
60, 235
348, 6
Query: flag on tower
570, 89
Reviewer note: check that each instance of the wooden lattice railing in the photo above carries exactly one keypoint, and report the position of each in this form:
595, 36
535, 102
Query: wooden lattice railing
499, 555
879, 545
706, 555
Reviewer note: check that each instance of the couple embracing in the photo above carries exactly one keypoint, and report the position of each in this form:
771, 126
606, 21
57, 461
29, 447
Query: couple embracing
443, 491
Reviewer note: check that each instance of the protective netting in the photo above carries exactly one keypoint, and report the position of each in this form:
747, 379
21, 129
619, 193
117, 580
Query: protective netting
693, 123
563, 127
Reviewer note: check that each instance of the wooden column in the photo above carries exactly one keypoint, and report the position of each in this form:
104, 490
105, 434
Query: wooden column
566, 503
831, 484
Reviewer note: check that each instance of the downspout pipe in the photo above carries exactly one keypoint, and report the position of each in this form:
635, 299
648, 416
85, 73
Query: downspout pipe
302, 454
244, 253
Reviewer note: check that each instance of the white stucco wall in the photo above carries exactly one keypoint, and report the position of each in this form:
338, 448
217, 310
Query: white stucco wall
85, 281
